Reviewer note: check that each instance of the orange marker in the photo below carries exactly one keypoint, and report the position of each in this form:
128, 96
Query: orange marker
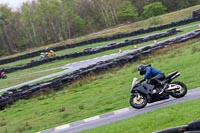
135, 46
120, 50
155, 42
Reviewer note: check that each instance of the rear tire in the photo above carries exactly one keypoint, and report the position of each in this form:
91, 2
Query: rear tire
182, 92
138, 103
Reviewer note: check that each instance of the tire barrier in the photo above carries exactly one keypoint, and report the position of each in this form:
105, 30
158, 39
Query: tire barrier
28, 91
90, 51
195, 17
196, 14
192, 127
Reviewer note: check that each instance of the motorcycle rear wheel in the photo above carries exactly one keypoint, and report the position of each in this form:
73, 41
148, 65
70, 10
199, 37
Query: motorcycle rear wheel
138, 103
182, 92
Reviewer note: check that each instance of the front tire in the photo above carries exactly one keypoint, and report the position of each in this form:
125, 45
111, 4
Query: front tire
138, 103
181, 92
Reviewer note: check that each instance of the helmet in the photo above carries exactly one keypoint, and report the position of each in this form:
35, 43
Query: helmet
47, 49
142, 69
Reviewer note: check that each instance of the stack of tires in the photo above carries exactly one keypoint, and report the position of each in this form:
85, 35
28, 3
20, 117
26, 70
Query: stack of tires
192, 127
196, 14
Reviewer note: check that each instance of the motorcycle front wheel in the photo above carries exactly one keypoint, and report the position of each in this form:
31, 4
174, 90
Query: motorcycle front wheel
181, 92
138, 102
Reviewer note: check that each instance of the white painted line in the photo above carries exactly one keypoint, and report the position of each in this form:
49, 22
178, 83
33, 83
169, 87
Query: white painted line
121, 111
91, 119
62, 127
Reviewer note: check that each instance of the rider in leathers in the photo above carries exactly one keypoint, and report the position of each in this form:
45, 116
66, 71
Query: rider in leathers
154, 76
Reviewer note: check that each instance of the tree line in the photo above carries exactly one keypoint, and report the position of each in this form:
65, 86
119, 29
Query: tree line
42, 22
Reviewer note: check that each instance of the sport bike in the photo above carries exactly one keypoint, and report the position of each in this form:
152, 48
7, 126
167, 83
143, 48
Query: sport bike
143, 93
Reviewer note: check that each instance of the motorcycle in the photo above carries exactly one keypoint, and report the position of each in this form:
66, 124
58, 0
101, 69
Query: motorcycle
51, 53
143, 93
3, 75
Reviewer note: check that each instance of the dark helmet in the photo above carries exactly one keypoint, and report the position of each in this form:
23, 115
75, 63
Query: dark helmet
47, 49
142, 69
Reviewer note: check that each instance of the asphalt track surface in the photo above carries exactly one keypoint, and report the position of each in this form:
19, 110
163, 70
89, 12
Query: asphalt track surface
121, 114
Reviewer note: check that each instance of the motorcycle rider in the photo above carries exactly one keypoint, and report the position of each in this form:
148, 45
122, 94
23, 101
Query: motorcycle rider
153, 75
2, 74
49, 52
47, 49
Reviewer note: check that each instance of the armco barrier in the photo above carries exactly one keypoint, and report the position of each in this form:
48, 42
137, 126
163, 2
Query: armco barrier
192, 127
90, 51
195, 17
27, 91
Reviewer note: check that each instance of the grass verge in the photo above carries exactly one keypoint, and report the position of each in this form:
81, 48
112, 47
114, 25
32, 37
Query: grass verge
171, 116
23, 76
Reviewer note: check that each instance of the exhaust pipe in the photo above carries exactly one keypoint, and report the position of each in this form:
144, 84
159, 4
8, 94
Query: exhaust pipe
176, 75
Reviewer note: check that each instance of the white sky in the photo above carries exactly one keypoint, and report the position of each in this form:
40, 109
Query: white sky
14, 4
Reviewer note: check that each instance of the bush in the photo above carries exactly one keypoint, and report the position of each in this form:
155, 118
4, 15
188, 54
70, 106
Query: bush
154, 9
127, 12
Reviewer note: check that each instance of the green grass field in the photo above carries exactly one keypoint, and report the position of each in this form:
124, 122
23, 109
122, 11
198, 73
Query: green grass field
97, 94
13, 77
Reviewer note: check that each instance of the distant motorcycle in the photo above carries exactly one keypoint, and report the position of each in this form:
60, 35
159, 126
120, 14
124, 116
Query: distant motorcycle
3, 75
51, 53
143, 93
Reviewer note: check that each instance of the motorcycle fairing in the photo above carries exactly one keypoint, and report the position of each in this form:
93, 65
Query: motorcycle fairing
145, 88
149, 87
157, 97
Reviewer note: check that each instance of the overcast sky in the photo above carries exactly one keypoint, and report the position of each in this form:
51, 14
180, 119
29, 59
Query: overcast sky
14, 4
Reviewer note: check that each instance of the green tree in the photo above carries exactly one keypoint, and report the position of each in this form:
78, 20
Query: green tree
7, 29
141, 3
154, 9
127, 11
194, 2
173, 5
